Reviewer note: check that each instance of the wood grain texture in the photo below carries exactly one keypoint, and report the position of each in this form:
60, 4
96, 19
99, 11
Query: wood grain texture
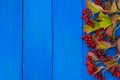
37, 40
11, 40
67, 47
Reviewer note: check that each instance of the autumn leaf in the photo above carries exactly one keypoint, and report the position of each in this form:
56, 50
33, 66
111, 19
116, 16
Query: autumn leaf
117, 43
118, 4
110, 63
98, 69
108, 5
115, 67
102, 15
103, 45
93, 7
94, 57
113, 7
114, 18
110, 30
105, 22
89, 29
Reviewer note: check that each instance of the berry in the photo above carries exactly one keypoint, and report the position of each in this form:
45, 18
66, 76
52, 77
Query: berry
99, 52
102, 37
116, 73
89, 41
90, 65
98, 2
86, 13
99, 77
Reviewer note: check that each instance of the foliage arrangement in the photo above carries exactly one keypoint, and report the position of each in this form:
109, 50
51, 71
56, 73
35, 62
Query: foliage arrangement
102, 20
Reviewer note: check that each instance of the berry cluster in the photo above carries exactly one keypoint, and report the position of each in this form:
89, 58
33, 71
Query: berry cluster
97, 32
116, 73
102, 37
85, 16
99, 77
90, 65
99, 38
92, 69
89, 41
98, 2
100, 33
99, 52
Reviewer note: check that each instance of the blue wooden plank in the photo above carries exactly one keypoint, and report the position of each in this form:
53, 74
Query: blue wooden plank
10, 40
37, 40
67, 43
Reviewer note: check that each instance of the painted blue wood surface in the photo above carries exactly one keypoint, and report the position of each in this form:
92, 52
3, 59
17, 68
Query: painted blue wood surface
37, 40
67, 48
10, 40
58, 22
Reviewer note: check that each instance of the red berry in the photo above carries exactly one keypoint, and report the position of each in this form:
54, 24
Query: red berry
84, 11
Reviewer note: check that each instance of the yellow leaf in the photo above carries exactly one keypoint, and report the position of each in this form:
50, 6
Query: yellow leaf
88, 29
103, 45
105, 22
101, 15
114, 7
93, 7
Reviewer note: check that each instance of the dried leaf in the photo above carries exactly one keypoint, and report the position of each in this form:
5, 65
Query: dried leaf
118, 4
103, 45
98, 70
117, 42
110, 30
88, 29
105, 22
113, 35
110, 63
94, 57
114, 7
101, 15
93, 7
114, 18
108, 5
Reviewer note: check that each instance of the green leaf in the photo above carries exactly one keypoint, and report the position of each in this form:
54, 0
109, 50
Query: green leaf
93, 7
105, 22
88, 29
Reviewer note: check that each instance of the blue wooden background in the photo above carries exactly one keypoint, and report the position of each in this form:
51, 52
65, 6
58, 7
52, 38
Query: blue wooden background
41, 40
